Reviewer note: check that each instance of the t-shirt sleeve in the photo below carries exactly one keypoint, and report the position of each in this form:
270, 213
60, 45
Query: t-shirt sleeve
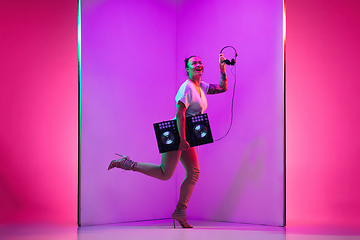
205, 87
184, 95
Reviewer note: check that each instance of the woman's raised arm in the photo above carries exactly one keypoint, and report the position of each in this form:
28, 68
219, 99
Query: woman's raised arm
223, 86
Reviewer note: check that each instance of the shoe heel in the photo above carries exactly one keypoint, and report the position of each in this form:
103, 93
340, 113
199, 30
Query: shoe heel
110, 165
174, 222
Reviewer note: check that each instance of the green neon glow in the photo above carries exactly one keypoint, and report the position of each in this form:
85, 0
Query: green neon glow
79, 60
79, 112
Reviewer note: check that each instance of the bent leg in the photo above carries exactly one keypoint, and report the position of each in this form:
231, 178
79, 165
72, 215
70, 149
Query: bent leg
169, 161
190, 162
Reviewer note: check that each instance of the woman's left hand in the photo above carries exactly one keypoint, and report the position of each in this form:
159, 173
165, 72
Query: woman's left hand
184, 145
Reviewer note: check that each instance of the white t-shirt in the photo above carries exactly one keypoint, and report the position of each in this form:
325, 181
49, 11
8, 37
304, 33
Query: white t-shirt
194, 103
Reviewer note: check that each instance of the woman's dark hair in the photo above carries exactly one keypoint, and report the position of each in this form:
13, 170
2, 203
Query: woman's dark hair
187, 61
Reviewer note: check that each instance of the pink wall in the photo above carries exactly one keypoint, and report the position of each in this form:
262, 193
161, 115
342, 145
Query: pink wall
38, 136
323, 112
322, 116
128, 50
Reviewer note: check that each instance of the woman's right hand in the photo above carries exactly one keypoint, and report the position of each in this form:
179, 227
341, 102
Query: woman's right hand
222, 59
184, 145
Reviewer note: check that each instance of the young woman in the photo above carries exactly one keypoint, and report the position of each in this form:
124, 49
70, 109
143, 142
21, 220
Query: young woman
190, 100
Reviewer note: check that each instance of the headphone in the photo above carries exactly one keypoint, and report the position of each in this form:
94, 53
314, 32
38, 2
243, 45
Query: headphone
233, 61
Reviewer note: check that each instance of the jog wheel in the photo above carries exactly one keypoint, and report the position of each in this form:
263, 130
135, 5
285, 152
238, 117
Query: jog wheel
167, 138
200, 131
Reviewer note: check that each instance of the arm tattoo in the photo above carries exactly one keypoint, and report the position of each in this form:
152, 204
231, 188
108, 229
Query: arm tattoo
219, 88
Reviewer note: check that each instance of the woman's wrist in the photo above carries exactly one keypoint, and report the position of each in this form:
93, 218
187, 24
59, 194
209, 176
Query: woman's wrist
222, 68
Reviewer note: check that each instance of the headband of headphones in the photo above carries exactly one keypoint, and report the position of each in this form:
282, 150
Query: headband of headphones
233, 61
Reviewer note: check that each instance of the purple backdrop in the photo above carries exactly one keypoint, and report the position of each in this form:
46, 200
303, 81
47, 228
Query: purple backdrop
132, 65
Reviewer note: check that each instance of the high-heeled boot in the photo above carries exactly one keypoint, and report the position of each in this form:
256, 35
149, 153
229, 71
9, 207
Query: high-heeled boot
123, 163
180, 216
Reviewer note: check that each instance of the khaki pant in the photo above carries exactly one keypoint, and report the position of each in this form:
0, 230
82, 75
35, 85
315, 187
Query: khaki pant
169, 161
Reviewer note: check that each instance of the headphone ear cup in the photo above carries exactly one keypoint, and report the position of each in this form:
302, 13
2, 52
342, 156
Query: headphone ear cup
227, 62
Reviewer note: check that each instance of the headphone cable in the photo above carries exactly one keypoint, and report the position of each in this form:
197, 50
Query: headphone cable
232, 104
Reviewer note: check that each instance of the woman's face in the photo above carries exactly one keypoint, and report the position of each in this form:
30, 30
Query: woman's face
195, 67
